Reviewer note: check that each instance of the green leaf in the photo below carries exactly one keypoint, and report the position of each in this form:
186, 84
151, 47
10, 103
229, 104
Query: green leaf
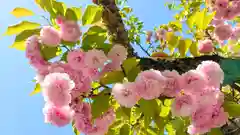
149, 107
36, 90
95, 38
147, 121
203, 19
20, 27
71, 14
117, 124
64, 56
170, 129
127, 10
165, 110
59, 7
26, 34
215, 131
172, 39
19, 45
178, 125
78, 12
194, 49
125, 130
161, 122
91, 15
232, 108
47, 5
184, 46
20, 39
21, 12
50, 52
131, 68
130, 63
112, 77
100, 104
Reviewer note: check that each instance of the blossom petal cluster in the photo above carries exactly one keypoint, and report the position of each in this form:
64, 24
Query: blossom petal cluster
196, 94
64, 83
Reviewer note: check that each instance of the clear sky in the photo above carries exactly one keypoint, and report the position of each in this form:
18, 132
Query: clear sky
21, 114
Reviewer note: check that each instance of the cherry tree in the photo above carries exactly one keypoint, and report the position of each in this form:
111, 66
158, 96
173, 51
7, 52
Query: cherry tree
187, 82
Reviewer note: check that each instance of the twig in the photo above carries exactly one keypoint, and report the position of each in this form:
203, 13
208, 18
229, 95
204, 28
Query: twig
49, 23
144, 50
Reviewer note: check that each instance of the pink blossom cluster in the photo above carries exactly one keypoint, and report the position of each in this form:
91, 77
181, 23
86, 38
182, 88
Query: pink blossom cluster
196, 93
63, 83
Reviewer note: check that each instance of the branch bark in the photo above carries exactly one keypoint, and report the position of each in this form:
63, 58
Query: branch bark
113, 21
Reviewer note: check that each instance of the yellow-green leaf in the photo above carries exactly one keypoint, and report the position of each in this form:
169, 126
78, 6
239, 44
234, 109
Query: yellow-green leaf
215, 131
59, 7
232, 108
50, 52
184, 46
91, 15
36, 90
71, 14
20, 45
194, 49
172, 39
20, 27
112, 77
149, 107
78, 12
100, 104
21, 12
125, 130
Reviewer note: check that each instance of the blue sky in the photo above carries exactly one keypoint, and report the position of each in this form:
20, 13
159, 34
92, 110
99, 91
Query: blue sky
22, 114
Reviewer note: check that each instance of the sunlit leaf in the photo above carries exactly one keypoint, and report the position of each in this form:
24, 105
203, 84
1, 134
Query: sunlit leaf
215, 131
125, 130
50, 52
172, 39
21, 12
194, 49
20, 27
184, 46
36, 90
232, 108
100, 104
59, 7
71, 14
149, 107
112, 77
91, 15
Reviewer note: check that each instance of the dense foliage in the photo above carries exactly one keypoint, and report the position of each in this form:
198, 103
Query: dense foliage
95, 80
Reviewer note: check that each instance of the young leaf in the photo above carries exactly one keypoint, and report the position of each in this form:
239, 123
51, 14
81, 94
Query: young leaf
71, 14
149, 107
172, 39
20, 27
21, 12
184, 46
91, 15
232, 108
59, 7
50, 52
36, 90
20, 45
125, 130
215, 131
194, 49
112, 77
100, 104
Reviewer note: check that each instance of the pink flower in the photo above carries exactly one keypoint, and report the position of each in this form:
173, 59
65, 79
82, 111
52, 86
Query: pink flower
232, 11
160, 34
223, 32
76, 59
50, 36
70, 31
150, 84
183, 105
219, 117
202, 116
58, 116
56, 88
149, 36
221, 4
59, 20
125, 94
104, 121
38, 63
92, 73
212, 72
193, 81
206, 46
236, 33
32, 47
118, 53
216, 22
95, 58
172, 83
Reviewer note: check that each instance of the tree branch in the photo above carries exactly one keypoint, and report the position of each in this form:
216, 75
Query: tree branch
113, 21
181, 65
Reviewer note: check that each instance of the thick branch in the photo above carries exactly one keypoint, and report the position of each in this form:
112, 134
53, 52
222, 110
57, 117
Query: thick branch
181, 65
113, 21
